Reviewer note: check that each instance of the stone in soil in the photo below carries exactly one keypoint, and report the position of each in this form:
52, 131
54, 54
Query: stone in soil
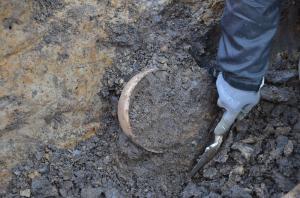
282, 130
210, 173
238, 192
42, 187
288, 148
275, 94
245, 149
25, 193
281, 76
296, 128
281, 143
192, 190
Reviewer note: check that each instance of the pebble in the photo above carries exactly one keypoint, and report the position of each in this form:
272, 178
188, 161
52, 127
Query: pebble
275, 94
239, 170
17, 172
222, 158
43, 169
269, 129
33, 174
249, 140
281, 142
245, 149
76, 152
279, 77
107, 159
296, 128
41, 187
25, 193
282, 130
288, 148
67, 174
210, 173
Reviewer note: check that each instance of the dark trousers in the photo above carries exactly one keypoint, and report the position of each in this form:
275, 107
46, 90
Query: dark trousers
248, 27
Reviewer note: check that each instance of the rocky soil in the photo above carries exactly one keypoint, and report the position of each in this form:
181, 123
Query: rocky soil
259, 159
64, 62
261, 156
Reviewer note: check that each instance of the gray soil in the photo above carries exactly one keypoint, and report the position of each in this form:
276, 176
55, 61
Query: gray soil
260, 158
170, 109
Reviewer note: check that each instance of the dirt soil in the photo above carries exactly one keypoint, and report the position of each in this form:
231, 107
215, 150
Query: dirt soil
167, 106
261, 157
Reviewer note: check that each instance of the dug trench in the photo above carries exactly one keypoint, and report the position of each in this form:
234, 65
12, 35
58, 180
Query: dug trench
260, 158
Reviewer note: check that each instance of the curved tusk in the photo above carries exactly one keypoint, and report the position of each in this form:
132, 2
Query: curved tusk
124, 102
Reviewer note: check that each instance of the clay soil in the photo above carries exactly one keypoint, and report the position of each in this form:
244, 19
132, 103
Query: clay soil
260, 158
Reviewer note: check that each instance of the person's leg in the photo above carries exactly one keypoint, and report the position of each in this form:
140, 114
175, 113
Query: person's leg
248, 27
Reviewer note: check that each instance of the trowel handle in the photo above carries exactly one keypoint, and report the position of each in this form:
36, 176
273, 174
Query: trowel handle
225, 123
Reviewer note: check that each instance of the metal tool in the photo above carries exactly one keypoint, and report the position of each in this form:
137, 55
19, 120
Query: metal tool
211, 150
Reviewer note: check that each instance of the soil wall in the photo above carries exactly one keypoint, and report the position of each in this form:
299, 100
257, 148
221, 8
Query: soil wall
63, 62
